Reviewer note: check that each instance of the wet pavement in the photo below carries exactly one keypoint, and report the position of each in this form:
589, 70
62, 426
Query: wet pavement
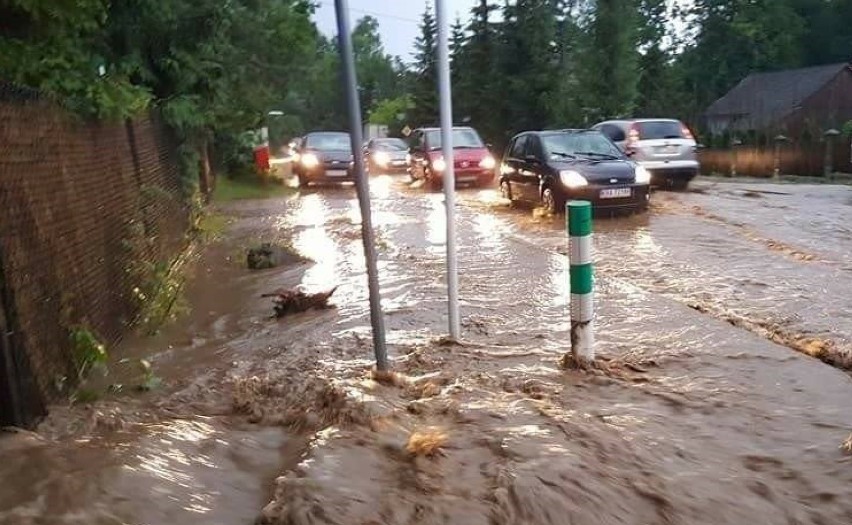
696, 415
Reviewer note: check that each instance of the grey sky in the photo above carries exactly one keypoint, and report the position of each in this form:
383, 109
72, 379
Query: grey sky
398, 19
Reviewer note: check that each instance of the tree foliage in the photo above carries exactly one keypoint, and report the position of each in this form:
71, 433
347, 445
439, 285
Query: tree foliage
424, 89
216, 68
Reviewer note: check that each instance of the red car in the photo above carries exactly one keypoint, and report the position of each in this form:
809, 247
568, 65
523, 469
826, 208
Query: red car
473, 163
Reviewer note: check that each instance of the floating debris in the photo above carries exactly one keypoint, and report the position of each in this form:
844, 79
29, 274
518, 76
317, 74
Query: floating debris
426, 443
295, 301
269, 255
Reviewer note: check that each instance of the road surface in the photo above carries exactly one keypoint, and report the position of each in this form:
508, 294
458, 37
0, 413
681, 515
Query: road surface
707, 408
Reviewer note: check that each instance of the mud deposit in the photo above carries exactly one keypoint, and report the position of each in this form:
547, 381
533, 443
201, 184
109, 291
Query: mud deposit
689, 419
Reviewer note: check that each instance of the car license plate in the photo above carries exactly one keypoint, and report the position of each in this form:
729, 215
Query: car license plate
615, 193
669, 149
336, 173
398, 163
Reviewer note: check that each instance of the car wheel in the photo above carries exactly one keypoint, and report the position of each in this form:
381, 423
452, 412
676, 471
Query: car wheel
506, 190
433, 182
548, 201
679, 184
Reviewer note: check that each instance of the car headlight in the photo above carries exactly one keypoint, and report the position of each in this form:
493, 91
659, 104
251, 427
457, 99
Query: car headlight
643, 176
382, 158
439, 164
572, 179
309, 160
488, 163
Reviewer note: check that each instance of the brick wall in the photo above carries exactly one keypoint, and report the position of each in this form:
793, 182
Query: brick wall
84, 206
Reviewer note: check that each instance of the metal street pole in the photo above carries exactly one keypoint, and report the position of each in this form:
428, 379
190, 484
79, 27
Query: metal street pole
445, 94
350, 85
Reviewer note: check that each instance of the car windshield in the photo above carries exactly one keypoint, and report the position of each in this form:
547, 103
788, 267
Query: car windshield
659, 129
329, 142
389, 145
462, 139
584, 144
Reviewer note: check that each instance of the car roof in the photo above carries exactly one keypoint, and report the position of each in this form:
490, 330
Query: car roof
555, 131
631, 120
439, 129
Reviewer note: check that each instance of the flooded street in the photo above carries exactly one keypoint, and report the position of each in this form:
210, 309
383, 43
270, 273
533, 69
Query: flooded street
705, 409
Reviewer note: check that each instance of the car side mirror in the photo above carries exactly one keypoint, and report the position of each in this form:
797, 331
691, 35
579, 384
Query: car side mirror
630, 152
489, 145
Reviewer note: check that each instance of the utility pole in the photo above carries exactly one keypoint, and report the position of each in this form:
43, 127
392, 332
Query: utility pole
446, 105
350, 86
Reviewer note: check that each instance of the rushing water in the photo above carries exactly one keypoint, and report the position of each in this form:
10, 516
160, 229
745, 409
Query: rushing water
722, 426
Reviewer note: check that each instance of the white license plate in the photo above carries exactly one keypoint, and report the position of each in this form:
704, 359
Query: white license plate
615, 193
398, 163
667, 150
336, 173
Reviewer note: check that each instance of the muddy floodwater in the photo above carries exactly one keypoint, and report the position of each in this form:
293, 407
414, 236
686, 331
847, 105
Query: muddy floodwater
722, 395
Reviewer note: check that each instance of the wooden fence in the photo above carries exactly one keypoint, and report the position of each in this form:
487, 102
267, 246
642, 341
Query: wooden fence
760, 161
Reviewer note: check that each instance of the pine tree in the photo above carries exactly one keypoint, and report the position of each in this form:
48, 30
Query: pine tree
528, 63
458, 70
609, 69
480, 79
566, 103
655, 90
424, 92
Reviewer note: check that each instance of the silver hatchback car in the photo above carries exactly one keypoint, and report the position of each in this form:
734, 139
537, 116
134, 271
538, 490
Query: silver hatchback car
665, 147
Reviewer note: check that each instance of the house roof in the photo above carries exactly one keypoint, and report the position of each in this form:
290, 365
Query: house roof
764, 98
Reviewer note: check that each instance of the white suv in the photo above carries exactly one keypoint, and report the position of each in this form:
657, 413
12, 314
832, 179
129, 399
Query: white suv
665, 147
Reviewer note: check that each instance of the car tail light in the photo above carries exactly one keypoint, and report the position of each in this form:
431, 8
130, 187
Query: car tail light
686, 133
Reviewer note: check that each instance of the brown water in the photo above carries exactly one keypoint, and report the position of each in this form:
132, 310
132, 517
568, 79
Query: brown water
692, 420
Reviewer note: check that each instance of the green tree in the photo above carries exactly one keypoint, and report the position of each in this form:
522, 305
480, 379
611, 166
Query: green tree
377, 78
609, 66
392, 112
53, 46
827, 36
527, 64
732, 39
479, 79
655, 88
458, 71
566, 104
424, 91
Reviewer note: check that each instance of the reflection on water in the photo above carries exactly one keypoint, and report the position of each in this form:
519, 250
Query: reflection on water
490, 230
315, 243
645, 244
380, 186
436, 223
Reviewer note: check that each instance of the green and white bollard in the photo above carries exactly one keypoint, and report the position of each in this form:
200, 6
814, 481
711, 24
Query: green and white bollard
579, 218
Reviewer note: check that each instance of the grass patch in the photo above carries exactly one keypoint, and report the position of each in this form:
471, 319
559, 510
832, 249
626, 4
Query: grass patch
239, 189
211, 225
